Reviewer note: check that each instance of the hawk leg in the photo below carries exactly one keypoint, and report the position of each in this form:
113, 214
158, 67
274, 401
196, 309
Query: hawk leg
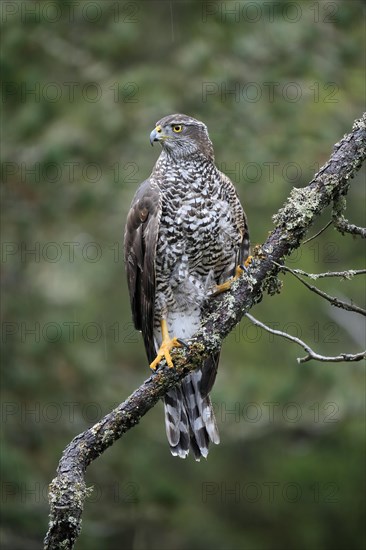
166, 345
238, 272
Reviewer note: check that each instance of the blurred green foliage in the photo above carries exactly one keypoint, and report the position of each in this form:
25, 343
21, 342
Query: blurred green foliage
83, 84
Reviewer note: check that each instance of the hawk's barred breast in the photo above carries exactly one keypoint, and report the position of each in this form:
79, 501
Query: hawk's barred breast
198, 238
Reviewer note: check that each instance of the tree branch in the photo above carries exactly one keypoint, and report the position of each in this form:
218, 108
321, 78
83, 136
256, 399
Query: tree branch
340, 222
347, 274
311, 354
332, 299
68, 489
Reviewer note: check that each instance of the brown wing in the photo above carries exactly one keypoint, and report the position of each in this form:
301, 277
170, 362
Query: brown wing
141, 234
239, 217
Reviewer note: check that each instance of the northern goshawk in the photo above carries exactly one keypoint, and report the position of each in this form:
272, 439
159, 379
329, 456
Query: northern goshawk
186, 234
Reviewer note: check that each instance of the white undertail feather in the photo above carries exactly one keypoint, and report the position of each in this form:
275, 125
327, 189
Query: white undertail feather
184, 325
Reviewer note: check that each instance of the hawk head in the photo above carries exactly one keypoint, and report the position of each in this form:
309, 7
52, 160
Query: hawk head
182, 136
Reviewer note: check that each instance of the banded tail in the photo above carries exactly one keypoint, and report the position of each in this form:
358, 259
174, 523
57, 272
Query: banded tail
189, 417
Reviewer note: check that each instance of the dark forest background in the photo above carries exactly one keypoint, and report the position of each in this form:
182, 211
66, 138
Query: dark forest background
277, 83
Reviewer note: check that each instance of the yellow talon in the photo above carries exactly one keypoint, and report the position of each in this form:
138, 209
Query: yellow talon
166, 345
248, 261
227, 285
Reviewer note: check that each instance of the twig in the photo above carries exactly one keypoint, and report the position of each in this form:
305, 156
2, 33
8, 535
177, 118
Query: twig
293, 221
311, 354
332, 299
348, 274
319, 232
340, 222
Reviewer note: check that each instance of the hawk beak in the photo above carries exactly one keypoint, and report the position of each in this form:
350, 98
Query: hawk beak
156, 135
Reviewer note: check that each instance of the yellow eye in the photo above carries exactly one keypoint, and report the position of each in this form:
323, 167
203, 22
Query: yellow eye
177, 128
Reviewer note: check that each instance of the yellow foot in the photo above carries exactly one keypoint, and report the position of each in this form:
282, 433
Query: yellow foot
164, 352
248, 261
166, 345
238, 272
